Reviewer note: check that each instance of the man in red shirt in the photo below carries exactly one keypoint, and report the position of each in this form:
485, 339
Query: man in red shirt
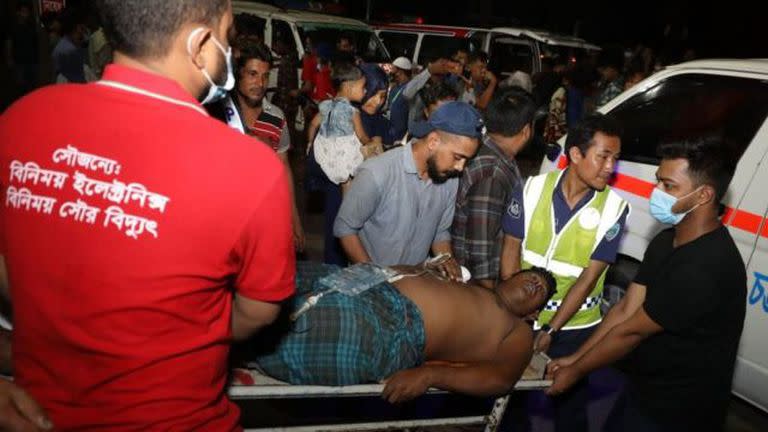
138, 238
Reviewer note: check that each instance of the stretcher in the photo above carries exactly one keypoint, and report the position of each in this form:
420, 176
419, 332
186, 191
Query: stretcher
262, 387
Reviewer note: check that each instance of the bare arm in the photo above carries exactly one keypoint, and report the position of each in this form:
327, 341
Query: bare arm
572, 302
314, 125
494, 377
298, 229
485, 98
359, 129
578, 293
617, 343
354, 249
248, 316
6, 367
510, 257
19, 412
5, 335
451, 267
621, 312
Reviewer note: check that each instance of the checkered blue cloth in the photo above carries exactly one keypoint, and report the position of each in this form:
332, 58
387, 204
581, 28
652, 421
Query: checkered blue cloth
345, 340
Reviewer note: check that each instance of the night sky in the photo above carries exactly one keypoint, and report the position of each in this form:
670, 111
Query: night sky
730, 29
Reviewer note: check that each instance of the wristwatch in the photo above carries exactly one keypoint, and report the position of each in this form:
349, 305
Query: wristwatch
548, 330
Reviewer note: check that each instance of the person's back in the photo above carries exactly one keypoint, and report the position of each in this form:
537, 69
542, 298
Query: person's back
126, 280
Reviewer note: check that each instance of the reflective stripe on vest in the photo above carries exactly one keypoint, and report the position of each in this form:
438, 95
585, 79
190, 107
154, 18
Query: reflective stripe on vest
567, 253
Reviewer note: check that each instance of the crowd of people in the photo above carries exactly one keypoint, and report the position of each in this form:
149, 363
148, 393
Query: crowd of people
154, 221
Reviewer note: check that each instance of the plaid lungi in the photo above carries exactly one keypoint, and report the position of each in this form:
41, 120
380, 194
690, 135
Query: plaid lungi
346, 340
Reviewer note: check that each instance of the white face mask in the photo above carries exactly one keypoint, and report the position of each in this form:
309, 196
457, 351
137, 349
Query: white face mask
216, 92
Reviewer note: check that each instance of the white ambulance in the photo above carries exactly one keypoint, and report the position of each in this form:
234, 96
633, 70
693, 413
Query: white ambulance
725, 96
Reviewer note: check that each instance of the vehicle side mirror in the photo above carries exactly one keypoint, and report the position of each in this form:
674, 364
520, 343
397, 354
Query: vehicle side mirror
552, 151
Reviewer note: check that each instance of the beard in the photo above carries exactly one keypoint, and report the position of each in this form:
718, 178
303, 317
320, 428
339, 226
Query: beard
435, 174
249, 101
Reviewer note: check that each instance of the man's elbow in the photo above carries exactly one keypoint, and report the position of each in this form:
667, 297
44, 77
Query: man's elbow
249, 316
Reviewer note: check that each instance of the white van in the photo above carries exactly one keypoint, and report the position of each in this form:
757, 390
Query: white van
423, 43
509, 49
725, 96
299, 27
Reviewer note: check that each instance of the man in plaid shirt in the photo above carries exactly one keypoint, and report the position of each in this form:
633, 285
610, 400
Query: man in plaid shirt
487, 183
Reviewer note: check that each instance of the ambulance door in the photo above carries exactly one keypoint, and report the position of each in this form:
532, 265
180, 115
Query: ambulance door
751, 375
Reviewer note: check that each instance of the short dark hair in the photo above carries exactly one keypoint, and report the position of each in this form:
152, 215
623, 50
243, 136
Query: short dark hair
253, 51
477, 56
436, 92
143, 28
549, 279
375, 80
708, 161
582, 135
343, 71
509, 111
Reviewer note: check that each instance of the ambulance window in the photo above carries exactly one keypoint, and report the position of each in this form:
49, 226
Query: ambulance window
399, 44
691, 105
250, 27
434, 47
281, 32
477, 41
509, 54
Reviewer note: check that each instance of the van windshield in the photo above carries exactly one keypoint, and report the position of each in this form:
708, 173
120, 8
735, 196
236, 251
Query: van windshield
367, 44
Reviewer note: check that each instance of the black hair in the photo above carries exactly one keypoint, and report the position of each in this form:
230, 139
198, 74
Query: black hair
436, 92
549, 279
343, 71
477, 56
509, 111
253, 51
708, 161
375, 80
143, 28
582, 135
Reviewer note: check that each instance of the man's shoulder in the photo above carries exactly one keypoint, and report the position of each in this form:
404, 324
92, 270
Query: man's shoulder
386, 161
80, 96
272, 109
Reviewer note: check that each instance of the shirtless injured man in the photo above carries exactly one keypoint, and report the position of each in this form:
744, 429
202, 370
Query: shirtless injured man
408, 327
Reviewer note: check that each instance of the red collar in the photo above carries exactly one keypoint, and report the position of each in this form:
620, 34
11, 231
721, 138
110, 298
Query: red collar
148, 81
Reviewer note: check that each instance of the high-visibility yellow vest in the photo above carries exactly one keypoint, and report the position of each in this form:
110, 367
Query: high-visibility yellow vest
568, 253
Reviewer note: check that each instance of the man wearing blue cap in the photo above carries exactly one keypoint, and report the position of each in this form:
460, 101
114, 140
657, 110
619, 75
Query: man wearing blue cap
401, 204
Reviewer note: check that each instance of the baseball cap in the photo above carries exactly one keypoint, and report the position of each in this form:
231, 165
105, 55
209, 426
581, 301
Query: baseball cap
403, 63
457, 118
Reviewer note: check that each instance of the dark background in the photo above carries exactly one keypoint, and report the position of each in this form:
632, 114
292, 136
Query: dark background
716, 29
734, 28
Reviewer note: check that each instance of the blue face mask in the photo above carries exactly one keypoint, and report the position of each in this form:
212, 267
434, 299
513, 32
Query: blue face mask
216, 92
661, 207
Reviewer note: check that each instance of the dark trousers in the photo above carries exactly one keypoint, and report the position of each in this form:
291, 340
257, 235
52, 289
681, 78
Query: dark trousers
569, 408
627, 417
333, 253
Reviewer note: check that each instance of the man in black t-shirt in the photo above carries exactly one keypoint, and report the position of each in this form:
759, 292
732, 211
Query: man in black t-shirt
682, 317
